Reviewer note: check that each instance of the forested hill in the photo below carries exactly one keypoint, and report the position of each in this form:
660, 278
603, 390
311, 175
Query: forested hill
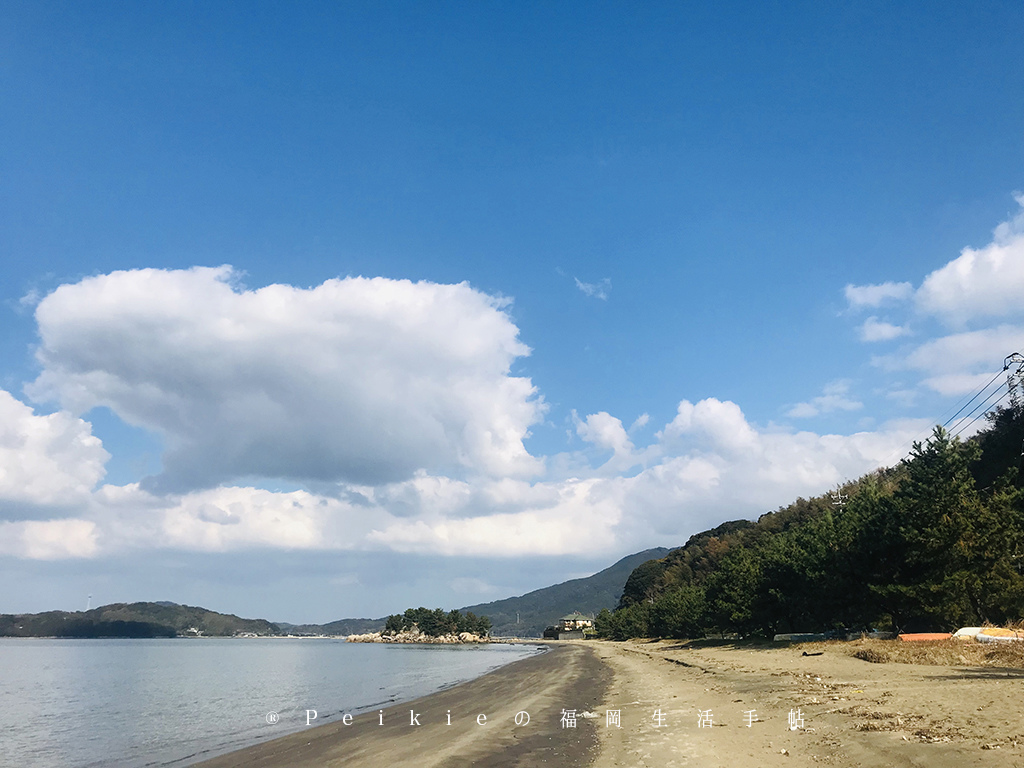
132, 620
934, 543
542, 607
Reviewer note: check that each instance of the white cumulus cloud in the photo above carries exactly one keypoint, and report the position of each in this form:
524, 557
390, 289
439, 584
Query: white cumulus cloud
45, 460
719, 423
48, 539
709, 464
583, 519
874, 329
985, 282
859, 296
704, 477
607, 433
362, 380
834, 397
977, 294
962, 362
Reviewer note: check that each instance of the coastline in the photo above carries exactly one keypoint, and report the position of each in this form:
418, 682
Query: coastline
851, 712
568, 676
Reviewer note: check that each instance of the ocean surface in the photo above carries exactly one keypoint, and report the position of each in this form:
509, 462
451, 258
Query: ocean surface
173, 702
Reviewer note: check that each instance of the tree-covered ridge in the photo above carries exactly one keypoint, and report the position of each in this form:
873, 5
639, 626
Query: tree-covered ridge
435, 623
132, 620
934, 543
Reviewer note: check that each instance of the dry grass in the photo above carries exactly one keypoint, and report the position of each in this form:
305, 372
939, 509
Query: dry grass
873, 655
944, 653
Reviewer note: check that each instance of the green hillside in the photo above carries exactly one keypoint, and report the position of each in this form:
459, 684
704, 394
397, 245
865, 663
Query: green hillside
542, 607
132, 620
932, 544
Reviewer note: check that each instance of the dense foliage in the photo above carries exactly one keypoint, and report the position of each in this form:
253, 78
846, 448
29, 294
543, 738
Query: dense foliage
436, 622
932, 544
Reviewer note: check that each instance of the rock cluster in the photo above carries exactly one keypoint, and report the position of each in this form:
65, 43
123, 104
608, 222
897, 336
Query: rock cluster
415, 636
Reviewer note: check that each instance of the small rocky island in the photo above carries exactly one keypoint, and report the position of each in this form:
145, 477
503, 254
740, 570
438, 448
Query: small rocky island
422, 625
415, 636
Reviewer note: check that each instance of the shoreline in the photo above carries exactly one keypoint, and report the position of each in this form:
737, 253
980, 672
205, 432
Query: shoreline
849, 711
482, 729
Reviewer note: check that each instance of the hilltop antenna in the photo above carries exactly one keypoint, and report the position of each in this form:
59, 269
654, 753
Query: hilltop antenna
839, 498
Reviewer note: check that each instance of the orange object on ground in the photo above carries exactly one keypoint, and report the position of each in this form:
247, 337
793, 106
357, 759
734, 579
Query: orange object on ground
918, 636
1000, 635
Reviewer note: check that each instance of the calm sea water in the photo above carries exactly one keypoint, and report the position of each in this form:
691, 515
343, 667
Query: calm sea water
134, 703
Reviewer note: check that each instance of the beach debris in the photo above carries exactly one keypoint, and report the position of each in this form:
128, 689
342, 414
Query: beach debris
919, 637
800, 637
999, 635
967, 633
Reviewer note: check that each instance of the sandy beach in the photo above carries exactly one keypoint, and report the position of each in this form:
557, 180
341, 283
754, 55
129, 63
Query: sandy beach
854, 713
682, 705
566, 677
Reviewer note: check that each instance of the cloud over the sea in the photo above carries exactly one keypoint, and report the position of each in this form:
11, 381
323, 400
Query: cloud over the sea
47, 461
708, 464
392, 409
357, 380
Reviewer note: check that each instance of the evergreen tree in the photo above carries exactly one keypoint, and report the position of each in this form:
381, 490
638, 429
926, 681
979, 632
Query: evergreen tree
679, 613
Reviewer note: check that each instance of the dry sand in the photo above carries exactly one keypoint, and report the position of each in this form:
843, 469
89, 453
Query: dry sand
855, 713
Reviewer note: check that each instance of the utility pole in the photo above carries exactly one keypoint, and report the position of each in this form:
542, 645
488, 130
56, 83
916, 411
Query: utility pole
1013, 378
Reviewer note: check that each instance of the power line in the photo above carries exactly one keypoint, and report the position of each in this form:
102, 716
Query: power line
984, 405
953, 417
838, 498
1014, 359
902, 449
997, 402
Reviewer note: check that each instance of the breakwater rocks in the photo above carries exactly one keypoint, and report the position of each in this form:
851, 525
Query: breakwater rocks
415, 636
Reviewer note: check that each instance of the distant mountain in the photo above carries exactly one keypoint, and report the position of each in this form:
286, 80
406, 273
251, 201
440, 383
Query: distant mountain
339, 627
542, 607
536, 610
132, 620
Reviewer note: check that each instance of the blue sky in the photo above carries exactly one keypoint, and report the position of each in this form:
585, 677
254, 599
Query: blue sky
514, 290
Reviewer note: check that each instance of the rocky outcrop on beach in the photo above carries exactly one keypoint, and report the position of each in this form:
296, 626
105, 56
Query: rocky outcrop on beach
415, 636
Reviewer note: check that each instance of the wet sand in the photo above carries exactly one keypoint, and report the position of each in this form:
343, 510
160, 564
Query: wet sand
566, 677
